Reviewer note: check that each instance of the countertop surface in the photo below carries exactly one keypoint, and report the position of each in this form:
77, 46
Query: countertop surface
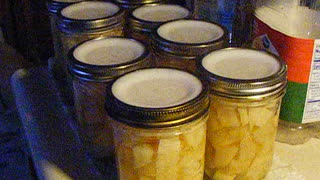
296, 162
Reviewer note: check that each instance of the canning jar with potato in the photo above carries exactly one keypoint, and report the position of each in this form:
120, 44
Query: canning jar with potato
159, 122
246, 91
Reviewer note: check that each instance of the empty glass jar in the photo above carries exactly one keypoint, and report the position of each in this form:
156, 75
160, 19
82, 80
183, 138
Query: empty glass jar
159, 120
94, 64
247, 87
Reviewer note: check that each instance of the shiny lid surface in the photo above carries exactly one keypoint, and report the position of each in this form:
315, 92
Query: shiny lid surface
157, 97
89, 15
103, 59
190, 37
148, 17
244, 73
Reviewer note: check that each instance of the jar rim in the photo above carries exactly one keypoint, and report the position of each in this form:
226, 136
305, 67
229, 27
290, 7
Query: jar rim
189, 49
159, 117
67, 24
104, 73
140, 24
271, 85
55, 6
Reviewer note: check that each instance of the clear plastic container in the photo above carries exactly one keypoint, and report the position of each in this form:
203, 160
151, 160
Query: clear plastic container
144, 20
94, 64
178, 43
247, 87
290, 29
83, 21
159, 120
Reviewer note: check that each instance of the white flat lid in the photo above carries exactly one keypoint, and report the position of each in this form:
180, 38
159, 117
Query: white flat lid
89, 10
190, 31
157, 88
108, 51
241, 64
160, 12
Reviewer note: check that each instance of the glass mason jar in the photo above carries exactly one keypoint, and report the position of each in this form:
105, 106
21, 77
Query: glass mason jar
159, 122
55, 65
53, 7
83, 21
178, 43
94, 64
146, 19
247, 87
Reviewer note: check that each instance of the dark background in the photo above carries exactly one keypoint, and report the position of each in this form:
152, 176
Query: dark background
26, 27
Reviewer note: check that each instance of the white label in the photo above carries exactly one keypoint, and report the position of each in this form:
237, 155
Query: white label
312, 105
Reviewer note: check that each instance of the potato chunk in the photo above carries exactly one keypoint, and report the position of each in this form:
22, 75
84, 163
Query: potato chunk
167, 159
195, 137
224, 155
142, 154
260, 115
228, 116
223, 176
247, 152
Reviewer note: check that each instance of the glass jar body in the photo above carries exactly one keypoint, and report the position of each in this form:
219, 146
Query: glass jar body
164, 153
68, 41
141, 36
240, 137
163, 59
92, 120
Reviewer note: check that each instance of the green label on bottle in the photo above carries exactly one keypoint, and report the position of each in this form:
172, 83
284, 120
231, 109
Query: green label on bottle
293, 103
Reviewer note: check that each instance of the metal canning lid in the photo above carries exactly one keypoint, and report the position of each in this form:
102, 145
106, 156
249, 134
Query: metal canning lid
140, 2
156, 98
148, 17
103, 59
128, 4
90, 16
190, 37
244, 73
55, 5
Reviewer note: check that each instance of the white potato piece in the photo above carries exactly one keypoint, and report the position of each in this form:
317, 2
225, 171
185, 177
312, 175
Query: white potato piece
195, 137
219, 175
191, 163
228, 116
167, 159
224, 155
244, 115
226, 136
259, 116
264, 133
143, 154
259, 167
247, 152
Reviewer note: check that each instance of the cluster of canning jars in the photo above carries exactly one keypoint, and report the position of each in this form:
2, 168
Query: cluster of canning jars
168, 100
